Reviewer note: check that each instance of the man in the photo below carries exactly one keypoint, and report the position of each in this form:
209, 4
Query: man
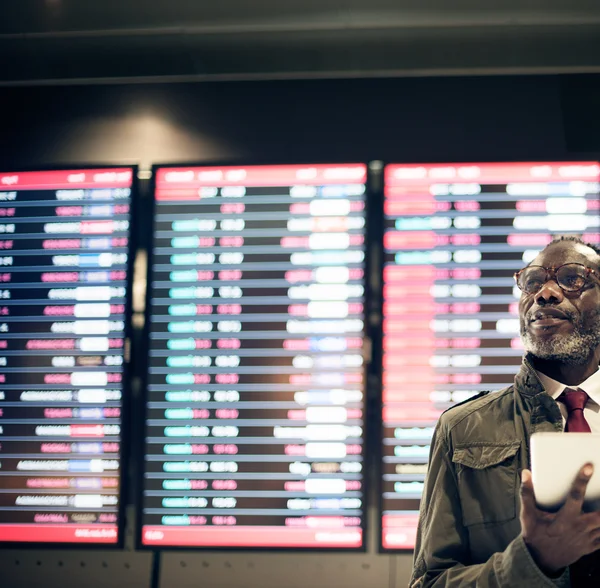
473, 529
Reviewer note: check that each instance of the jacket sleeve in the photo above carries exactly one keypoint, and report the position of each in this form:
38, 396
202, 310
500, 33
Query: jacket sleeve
442, 549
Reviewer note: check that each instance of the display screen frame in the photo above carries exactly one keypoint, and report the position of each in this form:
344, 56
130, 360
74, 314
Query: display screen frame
367, 366
125, 454
591, 159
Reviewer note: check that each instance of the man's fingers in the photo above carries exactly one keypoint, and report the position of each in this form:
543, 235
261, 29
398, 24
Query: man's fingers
527, 496
592, 520
574, 502
592, 524
594, 541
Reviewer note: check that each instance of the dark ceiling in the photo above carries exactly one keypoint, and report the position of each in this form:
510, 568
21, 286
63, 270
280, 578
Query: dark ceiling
84, 41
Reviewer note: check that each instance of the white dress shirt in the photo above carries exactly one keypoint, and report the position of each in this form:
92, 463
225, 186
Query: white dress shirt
591, 411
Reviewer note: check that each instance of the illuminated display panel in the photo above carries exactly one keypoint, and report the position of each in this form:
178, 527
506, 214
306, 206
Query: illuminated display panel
64, 239
255, 385
454, 236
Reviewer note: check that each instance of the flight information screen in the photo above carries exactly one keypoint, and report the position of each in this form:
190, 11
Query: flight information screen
454, 236
63, 287
255, 391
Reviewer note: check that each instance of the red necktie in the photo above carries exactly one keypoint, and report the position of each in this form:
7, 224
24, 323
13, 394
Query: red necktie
586, 571
575, 400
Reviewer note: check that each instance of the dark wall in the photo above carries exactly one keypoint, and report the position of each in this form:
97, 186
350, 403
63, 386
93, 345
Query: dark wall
444, 119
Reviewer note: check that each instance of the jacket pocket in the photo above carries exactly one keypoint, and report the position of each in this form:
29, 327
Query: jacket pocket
487, 481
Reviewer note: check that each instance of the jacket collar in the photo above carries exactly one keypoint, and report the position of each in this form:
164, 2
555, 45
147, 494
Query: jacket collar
527, 381
544, 411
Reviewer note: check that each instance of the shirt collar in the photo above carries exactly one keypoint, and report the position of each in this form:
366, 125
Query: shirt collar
555, 388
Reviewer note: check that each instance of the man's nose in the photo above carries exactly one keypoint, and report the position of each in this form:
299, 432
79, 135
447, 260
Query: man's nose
549, 293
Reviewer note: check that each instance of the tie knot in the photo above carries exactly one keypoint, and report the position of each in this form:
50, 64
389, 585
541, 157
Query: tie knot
573, 399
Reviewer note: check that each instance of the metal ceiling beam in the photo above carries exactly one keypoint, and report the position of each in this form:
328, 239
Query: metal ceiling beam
301, 55
85, 41
382, 23
56, 16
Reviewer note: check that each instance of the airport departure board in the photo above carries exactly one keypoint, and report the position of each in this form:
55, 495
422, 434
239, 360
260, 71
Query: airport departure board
254, 431
64, 238
454, 236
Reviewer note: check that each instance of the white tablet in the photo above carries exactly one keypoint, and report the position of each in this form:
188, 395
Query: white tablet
555, 460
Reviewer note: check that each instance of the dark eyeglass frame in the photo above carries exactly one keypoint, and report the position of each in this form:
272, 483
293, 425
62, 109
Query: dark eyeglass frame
551, 274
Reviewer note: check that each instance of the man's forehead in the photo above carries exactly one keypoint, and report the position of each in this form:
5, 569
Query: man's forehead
567, 252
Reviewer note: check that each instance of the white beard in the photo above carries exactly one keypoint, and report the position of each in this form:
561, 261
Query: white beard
573, 350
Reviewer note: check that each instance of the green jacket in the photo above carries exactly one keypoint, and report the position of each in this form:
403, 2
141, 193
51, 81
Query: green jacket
469, 528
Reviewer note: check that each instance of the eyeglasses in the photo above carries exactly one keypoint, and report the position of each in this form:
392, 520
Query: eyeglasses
571, 277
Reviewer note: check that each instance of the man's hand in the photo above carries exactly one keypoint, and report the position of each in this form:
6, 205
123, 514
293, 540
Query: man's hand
556, 540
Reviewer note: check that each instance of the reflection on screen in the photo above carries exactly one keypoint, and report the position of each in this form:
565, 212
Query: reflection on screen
63, 275
454, 236
255, 392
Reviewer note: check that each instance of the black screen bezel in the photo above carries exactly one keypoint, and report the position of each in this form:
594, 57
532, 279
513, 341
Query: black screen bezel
126, 408
366, 333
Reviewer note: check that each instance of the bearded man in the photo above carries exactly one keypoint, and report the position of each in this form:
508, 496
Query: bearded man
475, 527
